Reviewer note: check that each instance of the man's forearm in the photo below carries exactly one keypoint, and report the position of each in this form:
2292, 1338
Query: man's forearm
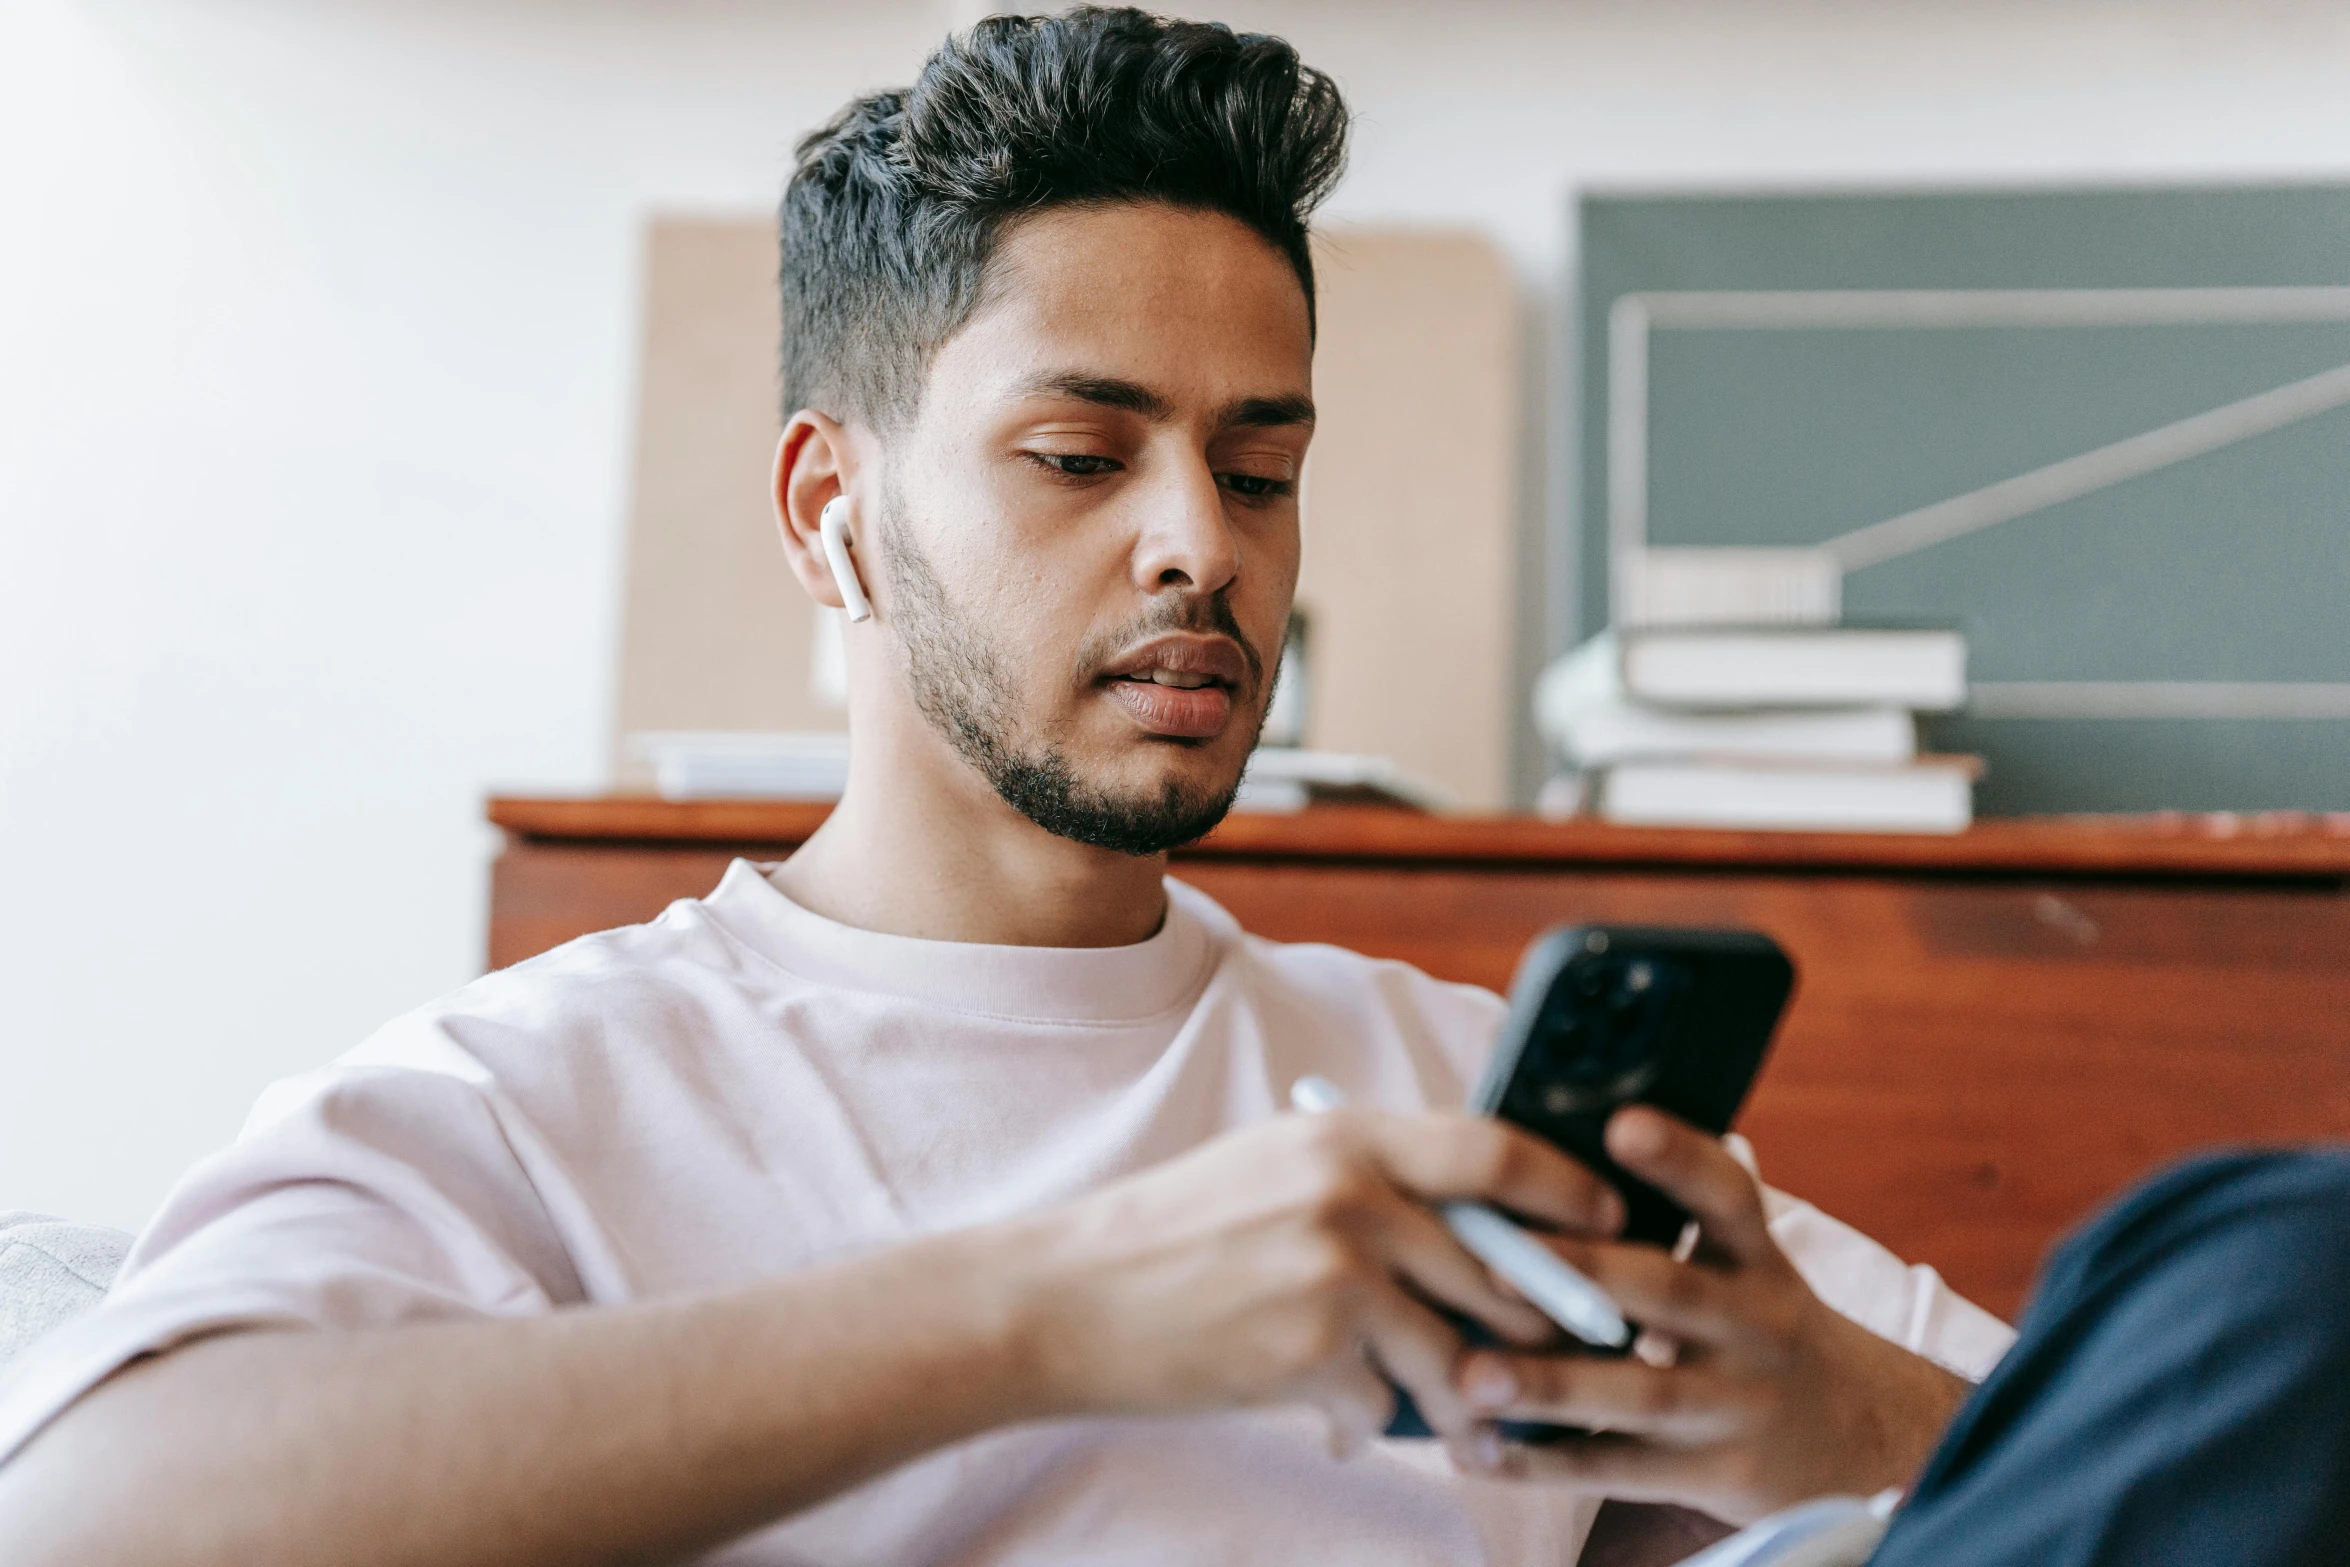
594, 1435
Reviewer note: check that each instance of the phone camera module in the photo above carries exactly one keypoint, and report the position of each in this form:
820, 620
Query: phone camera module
1599, 1032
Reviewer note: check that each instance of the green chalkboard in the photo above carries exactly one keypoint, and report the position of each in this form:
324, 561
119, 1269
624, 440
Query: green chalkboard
2172, 628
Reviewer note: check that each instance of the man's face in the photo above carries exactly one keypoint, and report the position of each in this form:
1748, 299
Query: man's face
1090, 531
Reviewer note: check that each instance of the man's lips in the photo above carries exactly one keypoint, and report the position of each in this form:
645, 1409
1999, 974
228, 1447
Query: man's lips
1181, 686
1196, 714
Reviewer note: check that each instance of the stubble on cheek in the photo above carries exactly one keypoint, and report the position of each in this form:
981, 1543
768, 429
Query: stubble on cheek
962, 682
957, 677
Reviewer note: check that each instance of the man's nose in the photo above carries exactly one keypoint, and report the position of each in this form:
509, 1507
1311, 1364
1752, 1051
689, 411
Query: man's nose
1186, 540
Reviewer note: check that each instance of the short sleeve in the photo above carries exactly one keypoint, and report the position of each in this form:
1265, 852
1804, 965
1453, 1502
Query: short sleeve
1905, 1302
362, 1196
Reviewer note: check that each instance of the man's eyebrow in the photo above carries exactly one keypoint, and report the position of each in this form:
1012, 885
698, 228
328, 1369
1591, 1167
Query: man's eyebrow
1106, 390
1110, 391
1259, 412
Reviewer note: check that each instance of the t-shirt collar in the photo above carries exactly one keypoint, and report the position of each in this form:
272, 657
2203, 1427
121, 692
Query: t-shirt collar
1090, 985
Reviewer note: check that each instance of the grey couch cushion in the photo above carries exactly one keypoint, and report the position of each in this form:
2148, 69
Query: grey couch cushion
50, 1270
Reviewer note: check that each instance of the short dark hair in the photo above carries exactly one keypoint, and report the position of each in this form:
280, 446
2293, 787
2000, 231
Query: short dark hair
898, 205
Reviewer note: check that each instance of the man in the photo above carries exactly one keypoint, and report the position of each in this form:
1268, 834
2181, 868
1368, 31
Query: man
926, 1197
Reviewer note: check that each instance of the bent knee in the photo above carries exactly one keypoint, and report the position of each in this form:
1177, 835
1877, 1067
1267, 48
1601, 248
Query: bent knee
2242, 1219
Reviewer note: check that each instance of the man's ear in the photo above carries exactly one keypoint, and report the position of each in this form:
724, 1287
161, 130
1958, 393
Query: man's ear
815, 466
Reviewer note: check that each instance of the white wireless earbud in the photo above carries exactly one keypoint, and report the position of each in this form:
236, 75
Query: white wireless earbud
832, 524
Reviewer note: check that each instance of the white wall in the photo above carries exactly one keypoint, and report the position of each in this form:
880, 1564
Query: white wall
316, 330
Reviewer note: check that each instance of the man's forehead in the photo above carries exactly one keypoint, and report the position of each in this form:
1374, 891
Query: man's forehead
1143, 307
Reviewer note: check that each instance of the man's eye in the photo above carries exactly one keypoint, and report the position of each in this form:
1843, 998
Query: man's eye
1077, 465
1254, 486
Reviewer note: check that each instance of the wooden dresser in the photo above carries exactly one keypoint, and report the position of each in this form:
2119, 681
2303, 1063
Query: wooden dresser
1992, 1031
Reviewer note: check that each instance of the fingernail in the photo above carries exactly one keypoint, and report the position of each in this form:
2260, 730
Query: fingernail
1635, 1137
1490, 1384
1487, 1449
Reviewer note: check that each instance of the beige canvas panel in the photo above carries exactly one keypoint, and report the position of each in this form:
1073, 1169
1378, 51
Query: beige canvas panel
715, 633
1411, 505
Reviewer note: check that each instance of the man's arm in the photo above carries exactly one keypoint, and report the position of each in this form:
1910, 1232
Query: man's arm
588, 1435
1260, 1268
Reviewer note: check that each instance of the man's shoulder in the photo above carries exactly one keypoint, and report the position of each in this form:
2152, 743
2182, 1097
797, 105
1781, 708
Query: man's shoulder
671, 979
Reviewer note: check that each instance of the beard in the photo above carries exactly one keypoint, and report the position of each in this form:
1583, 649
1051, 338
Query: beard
964, 685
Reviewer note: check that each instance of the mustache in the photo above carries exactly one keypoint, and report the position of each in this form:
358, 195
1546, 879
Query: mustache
1208, 614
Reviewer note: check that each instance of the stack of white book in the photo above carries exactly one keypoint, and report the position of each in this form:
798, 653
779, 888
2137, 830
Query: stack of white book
1809, 728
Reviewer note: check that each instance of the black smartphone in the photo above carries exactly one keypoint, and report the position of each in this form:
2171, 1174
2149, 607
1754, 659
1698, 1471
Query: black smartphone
1602, 1016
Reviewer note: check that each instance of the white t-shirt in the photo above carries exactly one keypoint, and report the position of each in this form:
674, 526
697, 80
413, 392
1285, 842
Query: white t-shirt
741, 1088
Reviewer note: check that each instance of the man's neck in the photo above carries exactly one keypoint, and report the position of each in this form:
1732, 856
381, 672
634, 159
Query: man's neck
922, 845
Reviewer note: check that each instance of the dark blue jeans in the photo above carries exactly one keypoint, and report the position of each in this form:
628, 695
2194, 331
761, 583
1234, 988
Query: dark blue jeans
2180, 1392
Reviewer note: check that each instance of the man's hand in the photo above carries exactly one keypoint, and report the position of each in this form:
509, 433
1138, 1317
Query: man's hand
1282, 1262
1774, 1396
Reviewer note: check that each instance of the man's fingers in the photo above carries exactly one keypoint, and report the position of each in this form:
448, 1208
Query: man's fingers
1438, 1157
1415, 1347
1356, 1403
1704, 1307
1624, 1468
1679, 1406
1425, 1253
1698, 1172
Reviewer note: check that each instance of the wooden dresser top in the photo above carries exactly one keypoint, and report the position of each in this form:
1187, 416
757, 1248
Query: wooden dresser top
2258, 846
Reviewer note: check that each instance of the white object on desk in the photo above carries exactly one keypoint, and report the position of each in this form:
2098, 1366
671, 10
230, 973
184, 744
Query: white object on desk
746, 765
1285, 778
